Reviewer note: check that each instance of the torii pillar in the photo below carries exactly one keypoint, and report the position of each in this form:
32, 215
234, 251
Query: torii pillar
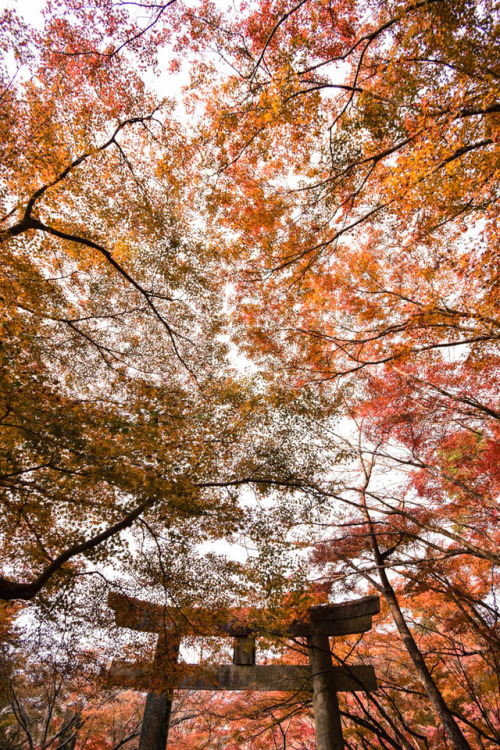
325, 702
317, 624
156, 718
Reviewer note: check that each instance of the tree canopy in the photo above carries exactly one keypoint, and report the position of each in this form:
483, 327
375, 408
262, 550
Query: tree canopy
250, 294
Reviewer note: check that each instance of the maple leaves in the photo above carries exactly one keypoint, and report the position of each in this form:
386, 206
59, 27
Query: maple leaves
387, 170
117, 397
361, 176
335, 208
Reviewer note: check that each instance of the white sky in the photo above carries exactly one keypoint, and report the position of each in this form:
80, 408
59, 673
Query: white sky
31, 10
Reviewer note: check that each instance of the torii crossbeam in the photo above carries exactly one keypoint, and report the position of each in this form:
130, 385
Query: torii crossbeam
317, 624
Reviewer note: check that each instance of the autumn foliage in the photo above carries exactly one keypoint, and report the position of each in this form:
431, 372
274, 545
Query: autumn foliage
250, 294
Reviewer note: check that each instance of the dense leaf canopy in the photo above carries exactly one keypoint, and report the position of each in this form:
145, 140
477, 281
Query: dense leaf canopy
250, 293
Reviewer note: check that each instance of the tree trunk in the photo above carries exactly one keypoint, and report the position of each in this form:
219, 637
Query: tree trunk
433, 693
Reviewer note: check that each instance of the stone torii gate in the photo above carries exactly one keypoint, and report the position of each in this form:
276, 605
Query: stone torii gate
317, 625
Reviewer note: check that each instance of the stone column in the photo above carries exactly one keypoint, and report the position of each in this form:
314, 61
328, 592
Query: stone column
155, 722
325, 703
156, 718
244, 651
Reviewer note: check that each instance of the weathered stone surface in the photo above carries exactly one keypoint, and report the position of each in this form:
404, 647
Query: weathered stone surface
166, 675
328, 619
156, 719
344, 626
366, 605
155, 722
244, 651
324, 685
268, 677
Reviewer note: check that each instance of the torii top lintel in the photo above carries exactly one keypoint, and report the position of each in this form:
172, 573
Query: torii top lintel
328, 619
